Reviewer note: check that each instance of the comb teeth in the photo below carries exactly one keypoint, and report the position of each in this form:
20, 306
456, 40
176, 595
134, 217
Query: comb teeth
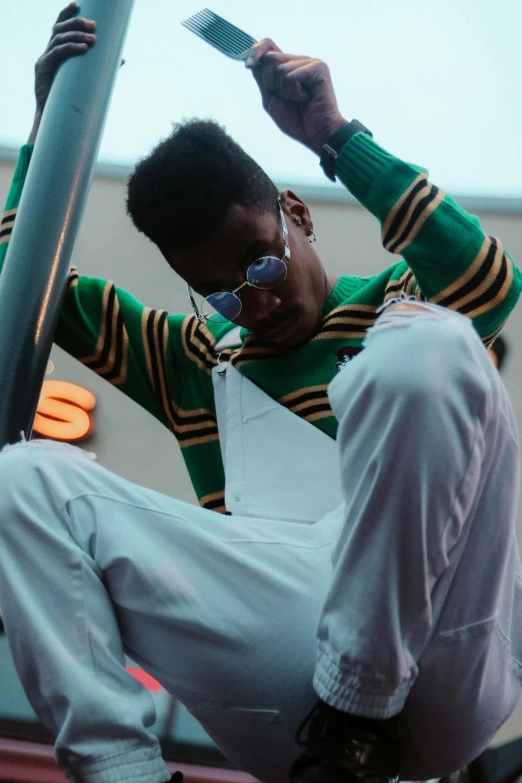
223, 35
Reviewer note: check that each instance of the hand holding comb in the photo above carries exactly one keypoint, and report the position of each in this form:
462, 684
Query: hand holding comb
297, 91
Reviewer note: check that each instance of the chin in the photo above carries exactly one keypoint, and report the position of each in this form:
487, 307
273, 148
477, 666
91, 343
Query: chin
292, 337
295, 342
285, 345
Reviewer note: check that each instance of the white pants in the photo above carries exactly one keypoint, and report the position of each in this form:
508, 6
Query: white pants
405, 599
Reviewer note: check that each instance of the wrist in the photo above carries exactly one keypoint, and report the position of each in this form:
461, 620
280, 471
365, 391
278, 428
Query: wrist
327, 134
336, 143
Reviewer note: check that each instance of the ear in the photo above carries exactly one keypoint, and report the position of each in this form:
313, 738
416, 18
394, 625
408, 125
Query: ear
294, 207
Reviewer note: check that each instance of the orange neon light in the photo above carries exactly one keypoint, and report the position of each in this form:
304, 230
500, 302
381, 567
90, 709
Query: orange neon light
63, 411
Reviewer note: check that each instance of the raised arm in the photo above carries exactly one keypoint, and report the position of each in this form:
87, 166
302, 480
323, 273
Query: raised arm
146, 353
449, 260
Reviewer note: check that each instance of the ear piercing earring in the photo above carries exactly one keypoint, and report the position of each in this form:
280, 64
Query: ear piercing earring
311, 235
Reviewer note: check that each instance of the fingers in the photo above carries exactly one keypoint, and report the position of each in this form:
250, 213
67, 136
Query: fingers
263, 59
258, 50
67, 22
76, 24
290, 77
70, 37
295, 80
282, 75
61, 52
73, 37
66, 12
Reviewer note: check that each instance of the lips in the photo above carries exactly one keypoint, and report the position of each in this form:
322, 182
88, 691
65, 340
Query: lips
280, 330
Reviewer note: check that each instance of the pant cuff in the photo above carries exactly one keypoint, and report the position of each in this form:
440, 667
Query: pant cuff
346, 692
141, 765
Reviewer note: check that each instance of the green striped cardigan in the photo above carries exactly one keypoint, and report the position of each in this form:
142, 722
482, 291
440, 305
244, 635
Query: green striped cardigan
164, 362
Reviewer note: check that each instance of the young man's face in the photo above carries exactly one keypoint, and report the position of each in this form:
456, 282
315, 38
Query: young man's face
287, 315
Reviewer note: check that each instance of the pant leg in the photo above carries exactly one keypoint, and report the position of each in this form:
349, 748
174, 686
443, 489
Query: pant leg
419, 615
222, 611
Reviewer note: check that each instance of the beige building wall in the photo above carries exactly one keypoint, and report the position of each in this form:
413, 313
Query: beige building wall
130, 441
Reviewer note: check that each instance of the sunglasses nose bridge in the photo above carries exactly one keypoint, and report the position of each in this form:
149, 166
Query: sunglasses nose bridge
236, 290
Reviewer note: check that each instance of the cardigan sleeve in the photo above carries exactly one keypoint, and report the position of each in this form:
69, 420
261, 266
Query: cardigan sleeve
448, 259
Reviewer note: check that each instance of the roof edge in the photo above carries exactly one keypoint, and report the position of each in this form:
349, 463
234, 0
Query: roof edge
325, 194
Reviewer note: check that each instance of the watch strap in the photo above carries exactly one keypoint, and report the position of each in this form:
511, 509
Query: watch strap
331, 149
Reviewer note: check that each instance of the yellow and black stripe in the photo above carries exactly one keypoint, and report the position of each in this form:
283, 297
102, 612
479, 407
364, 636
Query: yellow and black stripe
417, 293
311, 403
409, 214
198, 343
348, 321
110, 357
215, 501
483, 286
7, 224
253, 350
404, 285
191, 427
490, 338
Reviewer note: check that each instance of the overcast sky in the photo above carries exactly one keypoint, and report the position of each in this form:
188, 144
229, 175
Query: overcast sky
439, 83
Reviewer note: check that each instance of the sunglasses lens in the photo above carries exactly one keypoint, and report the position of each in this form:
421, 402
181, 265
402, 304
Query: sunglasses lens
266, 272
220, 307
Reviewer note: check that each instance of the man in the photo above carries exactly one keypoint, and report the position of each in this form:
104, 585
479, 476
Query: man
382, 569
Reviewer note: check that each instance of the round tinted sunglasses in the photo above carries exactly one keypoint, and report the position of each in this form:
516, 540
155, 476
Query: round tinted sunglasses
264, 273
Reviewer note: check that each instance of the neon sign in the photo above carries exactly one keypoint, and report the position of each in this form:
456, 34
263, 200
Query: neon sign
64, 411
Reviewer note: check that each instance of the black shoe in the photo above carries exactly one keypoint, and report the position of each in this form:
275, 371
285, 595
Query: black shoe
343, 748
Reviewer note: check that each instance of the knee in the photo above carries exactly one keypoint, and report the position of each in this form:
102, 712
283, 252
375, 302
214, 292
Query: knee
415, 353
18, 464
28, 470
433, 355
25, 453
17, 471
15, 461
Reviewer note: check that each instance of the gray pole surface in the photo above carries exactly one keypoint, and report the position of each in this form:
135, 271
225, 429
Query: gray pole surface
38, 258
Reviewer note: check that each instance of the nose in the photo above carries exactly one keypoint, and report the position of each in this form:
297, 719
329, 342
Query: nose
260, 307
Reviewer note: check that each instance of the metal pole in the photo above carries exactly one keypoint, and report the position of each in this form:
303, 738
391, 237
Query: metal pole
38, 258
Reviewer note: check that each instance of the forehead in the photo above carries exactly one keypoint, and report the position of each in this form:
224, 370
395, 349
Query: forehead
241, 235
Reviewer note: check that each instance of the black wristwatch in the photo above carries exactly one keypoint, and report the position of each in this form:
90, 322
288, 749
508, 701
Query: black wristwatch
335, 143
